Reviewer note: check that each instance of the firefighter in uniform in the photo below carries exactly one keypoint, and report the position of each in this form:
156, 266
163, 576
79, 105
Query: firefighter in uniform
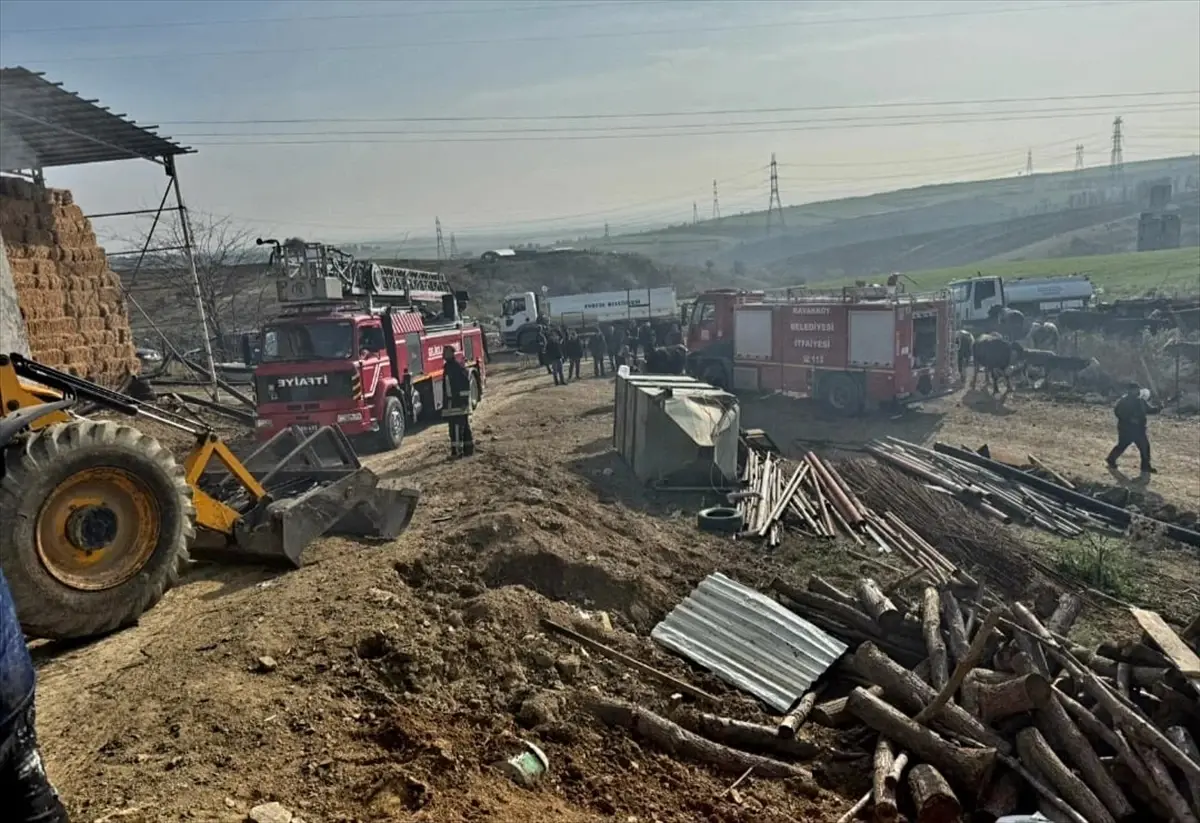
25, 792
1131, 411
456, 404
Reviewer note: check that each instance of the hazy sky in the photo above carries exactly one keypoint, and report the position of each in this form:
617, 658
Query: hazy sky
353, 68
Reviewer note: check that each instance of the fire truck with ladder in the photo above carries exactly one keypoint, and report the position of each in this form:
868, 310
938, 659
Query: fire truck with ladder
855, 349
358, 345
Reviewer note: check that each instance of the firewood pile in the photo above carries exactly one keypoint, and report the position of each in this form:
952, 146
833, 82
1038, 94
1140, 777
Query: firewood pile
70, 300
983, 707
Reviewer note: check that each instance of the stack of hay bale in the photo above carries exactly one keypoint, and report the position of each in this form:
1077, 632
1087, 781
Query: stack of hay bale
71, 303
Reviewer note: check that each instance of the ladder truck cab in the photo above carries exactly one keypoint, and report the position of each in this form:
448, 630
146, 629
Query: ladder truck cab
977, 299
854, 349
358, 345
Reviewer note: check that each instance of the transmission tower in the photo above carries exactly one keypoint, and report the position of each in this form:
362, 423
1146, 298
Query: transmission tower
453, 247
441, 244
606, 230
695, 213
774, 204
716, 215
1079, 157
1029, 163
1116, 162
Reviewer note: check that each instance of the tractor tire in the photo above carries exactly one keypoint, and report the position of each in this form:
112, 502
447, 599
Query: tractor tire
843, 394
391, 425
720, 520
97, 519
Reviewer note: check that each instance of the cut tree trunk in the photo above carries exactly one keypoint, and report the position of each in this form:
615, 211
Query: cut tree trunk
956, 629
834, 714
1182, 738
932, 795
1065, 613
750, 737
1029, 645
879, 606
967, 768
931, 629
888, 768
819, 585
912, 694
1020, 694
1167, 791
794, 719
1036, 753
675, 740
1000, 797
1091, 725
1069, 742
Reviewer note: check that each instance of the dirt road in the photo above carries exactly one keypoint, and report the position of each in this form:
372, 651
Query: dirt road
378, 683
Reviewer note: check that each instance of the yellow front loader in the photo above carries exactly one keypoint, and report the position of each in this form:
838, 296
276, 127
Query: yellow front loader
97, 519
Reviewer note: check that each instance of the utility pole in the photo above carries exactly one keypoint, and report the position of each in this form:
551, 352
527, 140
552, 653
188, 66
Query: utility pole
1029, 163
1116, 161
695, 213
605, 229
1079, 157
441, 244
716, 214
453, 247
774, 204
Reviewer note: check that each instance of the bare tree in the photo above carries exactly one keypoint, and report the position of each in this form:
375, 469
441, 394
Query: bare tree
235, 286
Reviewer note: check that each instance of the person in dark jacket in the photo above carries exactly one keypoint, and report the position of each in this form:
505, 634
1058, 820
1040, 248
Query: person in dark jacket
613, 340
598, 347
554, 358
646, 339
26, 795
573, 349
456, 404
542, 341
1131, 411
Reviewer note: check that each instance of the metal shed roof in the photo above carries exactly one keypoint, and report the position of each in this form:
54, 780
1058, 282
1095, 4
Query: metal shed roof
42, 125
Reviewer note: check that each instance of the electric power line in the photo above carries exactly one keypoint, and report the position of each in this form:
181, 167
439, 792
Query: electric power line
577, 35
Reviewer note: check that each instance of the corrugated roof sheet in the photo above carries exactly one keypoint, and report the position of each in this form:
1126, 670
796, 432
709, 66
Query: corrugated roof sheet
42, 125
749, 641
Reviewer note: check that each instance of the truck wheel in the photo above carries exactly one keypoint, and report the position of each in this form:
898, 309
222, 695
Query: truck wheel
527, 342
842, 393
391, 424
476, 396
97, 520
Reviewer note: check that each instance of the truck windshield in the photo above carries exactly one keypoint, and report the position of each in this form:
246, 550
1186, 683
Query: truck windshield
513, 306
308, 341
960, 292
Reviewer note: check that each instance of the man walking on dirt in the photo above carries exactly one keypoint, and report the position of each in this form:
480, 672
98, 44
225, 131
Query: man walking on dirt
554, 358
1131, 411
456, 404
598, 347
26, 795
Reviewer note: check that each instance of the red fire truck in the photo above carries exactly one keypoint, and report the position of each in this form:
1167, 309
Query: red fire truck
358, 345
855, 349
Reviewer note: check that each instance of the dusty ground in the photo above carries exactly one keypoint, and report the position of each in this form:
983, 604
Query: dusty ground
399, 673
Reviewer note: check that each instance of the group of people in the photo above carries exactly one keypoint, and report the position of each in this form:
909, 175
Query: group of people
610, 348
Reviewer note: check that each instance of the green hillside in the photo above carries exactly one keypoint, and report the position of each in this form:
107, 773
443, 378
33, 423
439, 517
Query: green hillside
1118, 275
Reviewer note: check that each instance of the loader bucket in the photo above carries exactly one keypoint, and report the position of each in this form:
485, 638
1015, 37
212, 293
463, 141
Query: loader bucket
316, 486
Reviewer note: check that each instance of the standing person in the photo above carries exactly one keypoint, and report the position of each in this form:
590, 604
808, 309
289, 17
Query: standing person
542, 341
1131, 411
25, 788
554, 358
574, 352
456, 404
613, 337
598, 347
646, 339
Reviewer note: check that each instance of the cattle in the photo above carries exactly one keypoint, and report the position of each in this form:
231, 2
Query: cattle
1044, 336
995, 354
666, 360
965, 341
1047, 361
1009, 323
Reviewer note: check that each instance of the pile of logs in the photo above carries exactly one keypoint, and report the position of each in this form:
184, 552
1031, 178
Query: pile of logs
984, 707
1007, 493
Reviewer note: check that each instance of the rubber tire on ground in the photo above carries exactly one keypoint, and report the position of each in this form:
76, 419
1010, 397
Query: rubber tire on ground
842, 393
476, 397
720, 519
33, 469
389, 437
